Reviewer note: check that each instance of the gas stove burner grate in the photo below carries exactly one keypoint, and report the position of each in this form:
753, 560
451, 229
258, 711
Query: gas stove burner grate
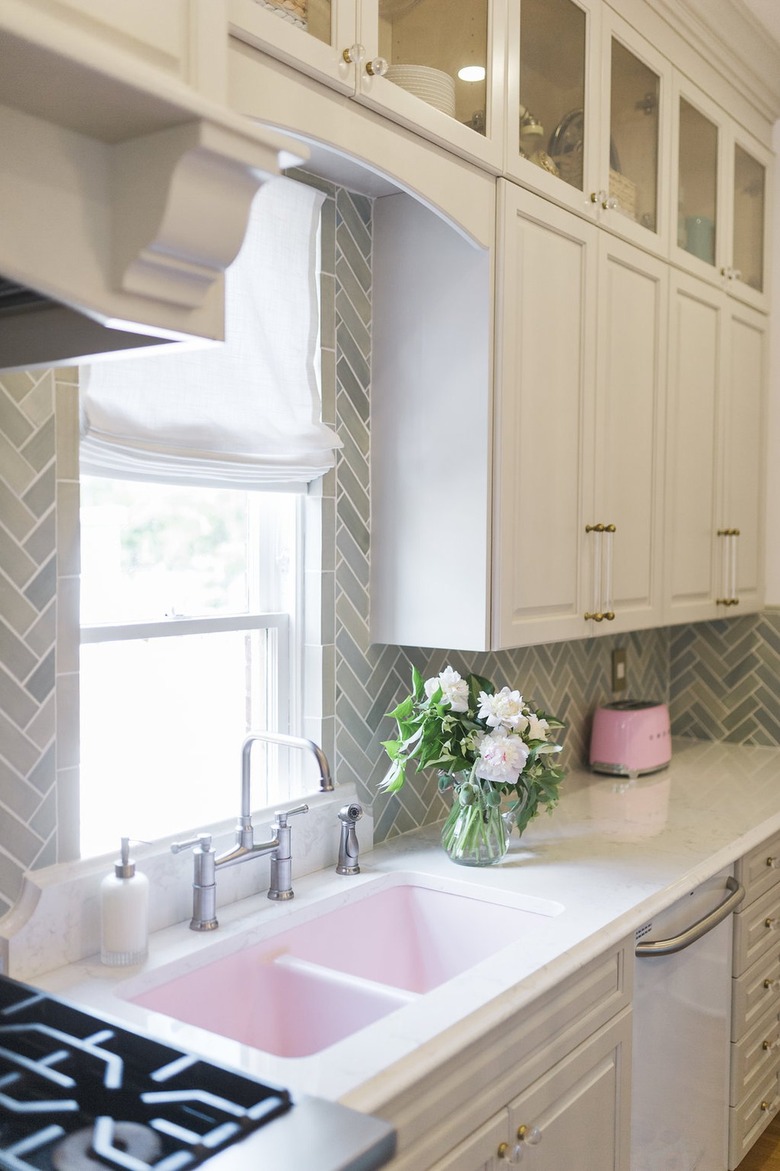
77, 1096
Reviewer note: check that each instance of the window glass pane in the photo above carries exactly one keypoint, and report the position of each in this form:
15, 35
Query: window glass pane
153, 551
163, 720
163, 716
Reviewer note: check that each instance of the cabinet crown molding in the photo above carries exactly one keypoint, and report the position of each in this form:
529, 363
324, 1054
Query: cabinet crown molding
736, 43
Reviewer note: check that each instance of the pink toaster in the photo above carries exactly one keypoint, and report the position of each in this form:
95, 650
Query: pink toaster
630, 738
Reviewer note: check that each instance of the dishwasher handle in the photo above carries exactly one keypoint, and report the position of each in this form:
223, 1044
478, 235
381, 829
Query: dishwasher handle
665, 947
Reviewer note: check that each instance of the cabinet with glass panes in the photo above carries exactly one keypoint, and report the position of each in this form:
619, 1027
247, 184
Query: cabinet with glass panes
434, 66
588, 113
720, 180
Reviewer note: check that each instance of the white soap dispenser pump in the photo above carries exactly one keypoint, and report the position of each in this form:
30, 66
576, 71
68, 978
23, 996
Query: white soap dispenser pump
124, 913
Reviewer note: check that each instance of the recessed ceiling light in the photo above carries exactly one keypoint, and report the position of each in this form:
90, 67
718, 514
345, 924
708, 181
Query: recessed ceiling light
472, 73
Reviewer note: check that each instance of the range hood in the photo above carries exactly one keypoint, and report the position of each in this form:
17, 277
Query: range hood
125, 194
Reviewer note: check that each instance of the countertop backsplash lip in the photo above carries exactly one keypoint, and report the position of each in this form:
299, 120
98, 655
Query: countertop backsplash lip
613, 854
56, 921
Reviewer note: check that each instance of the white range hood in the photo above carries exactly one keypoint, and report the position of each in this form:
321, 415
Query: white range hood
124, 195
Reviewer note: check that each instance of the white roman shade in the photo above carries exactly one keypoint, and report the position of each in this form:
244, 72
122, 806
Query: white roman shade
243, 414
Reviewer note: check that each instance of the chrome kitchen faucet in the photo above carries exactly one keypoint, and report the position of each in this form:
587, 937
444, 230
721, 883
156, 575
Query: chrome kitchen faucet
206, 862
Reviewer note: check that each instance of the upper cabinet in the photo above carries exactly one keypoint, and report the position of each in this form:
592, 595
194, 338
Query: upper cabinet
588, 119
716, 442
581, 361
434, 66
720, 197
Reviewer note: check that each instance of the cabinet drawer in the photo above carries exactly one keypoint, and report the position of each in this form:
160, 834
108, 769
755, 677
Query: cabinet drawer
751, 1062
756, 930
751, 997
759, 870
751, 1117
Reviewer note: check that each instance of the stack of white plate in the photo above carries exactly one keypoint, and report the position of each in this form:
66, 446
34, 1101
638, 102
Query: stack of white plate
432, 85
293, 11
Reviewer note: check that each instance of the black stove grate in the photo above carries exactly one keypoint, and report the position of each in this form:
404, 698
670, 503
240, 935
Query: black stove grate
78, 1092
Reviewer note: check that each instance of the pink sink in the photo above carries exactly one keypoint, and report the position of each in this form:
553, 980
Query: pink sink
313, 984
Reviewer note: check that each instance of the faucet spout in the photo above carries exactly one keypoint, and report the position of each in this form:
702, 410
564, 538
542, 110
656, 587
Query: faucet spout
241, 853
244, 831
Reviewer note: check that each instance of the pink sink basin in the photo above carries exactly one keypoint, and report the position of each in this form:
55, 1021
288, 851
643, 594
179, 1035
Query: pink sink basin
278, 1007
408, 936
319, 981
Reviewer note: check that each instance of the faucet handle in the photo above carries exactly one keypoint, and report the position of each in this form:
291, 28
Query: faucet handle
281, 815
202, 840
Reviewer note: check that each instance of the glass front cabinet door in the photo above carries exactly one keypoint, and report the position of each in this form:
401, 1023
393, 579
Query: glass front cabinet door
437, 66
588, 115
315, 36
699, 207
636, 106
719, 197
744, 269
552, 119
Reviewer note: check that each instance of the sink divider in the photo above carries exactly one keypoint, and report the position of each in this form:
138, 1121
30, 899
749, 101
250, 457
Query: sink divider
396, 996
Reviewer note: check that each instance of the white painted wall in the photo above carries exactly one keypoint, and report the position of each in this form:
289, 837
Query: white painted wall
773, 446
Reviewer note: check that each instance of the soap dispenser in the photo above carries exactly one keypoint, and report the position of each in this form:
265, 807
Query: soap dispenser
124, 913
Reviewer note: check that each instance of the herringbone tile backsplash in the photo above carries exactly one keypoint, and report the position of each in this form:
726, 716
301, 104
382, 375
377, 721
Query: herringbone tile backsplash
720, 677
725, 679
28, 618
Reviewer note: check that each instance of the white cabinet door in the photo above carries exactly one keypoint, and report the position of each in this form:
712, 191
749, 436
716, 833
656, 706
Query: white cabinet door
697, 325
479, 1152
716, 458
318, 37
742, 451
543, 419
628, 443
579, 429
576, 1115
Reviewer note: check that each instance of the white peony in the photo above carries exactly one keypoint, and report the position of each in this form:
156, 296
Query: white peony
454, 690
503, 710
501, 758
537, 727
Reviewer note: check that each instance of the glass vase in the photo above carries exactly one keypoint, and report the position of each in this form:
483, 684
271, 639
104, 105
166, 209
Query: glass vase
475, 833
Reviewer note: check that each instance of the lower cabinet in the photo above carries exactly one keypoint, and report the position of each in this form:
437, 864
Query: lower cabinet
554, 1082
571, 1117
755, 1003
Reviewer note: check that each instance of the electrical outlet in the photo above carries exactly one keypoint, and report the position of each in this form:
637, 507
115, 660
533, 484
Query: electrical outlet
619, 678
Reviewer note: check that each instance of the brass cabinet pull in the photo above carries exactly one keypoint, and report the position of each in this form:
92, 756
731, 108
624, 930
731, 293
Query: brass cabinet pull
602, 573
729, 568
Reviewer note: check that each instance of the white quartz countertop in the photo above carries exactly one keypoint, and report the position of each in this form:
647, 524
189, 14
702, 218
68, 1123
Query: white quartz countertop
611, 855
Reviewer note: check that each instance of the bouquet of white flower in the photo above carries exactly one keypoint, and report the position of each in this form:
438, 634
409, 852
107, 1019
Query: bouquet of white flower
485, 744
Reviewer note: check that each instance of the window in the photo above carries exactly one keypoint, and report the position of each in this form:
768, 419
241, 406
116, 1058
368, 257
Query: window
189, 641
194, 468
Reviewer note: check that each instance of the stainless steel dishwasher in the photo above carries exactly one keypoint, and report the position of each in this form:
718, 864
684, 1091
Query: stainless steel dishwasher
682, 1032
